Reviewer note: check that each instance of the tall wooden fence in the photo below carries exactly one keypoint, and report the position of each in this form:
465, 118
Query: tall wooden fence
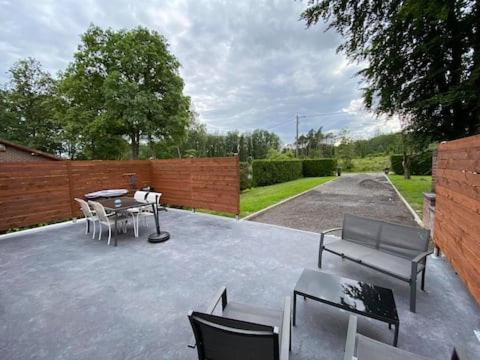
33, 193
457, 213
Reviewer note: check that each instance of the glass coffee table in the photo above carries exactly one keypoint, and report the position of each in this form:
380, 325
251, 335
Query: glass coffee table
351, 295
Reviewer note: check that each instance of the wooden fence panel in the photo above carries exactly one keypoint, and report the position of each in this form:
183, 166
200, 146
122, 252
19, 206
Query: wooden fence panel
42, 192
32, 193
457, 213
88, 176
208, 183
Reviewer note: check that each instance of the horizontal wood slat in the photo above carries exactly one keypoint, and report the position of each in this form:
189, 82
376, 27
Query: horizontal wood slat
457, 213
33, 193
210, 183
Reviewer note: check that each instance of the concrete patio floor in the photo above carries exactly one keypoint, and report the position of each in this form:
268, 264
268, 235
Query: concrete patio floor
66, 296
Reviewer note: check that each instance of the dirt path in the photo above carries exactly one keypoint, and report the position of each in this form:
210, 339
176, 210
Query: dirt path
323, 207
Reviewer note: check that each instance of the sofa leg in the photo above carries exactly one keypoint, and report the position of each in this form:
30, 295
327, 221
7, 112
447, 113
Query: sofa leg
413, 293
320, 253
423, 278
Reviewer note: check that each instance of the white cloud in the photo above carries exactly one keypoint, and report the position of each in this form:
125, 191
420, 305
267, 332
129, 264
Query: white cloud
246, 64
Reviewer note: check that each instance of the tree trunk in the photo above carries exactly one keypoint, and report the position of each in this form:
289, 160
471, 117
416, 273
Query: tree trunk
406, 166
135, 146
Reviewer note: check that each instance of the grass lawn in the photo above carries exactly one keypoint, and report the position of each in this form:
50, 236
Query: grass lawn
370, 164
255, 199
413, 189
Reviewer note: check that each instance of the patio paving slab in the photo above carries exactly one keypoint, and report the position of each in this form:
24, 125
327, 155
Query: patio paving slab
66, 296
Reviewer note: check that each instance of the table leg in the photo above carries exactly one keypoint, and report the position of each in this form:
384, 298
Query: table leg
294, 307
395, 339
116, 228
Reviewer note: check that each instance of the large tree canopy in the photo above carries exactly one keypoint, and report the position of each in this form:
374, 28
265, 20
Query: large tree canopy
122, 84
422, 56
26, 112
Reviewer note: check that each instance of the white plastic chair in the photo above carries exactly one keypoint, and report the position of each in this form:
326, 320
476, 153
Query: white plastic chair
107, 219
147, 198
90, 216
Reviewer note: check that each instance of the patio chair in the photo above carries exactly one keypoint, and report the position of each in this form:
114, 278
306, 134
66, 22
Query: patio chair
359, 347
89, 214
107, 219
147, 198
241, 331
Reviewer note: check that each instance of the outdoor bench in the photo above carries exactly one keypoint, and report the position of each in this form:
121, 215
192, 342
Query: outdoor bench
393, 249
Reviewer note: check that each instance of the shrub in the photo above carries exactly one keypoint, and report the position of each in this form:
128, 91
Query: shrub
319, 167
421, 163
246, 176
396, 164
267, 172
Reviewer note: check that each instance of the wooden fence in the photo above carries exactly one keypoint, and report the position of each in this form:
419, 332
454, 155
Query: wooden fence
33, 193
457, 213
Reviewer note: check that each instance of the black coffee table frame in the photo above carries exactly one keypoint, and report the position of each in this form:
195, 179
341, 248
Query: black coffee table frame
390, 320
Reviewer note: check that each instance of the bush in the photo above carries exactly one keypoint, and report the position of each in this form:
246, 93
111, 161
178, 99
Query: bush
267, 172
246, 176
396, 164
319, 167
421, 163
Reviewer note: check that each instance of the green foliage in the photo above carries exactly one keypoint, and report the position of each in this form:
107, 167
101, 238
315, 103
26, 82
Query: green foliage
246, 175
274, 154
345, 151
421, 58
315, 144
267, 172
26, 108
122, 84
319, 167
377, 145
396, 163
371, 163
421, 163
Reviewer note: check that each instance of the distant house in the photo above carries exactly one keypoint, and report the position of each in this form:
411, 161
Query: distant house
11, 152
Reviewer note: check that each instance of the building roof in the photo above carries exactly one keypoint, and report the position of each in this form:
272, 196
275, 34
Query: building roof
31, 151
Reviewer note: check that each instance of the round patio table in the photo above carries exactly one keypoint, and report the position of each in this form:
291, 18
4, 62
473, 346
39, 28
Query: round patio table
105, 194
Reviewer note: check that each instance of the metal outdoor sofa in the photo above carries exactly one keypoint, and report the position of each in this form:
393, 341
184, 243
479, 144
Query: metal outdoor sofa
241, 331
396, 250
359, 347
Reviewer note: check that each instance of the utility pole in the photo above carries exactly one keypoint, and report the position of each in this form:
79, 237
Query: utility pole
296, 138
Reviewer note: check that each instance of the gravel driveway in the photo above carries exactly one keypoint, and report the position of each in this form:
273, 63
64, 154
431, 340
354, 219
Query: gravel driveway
323, 207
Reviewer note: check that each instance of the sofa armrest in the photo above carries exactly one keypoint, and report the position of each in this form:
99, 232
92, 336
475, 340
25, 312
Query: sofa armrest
286, 330
323, 233
421, 256
351, 338
221, 295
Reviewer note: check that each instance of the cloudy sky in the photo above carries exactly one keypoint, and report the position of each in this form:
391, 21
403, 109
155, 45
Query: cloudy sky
246, 64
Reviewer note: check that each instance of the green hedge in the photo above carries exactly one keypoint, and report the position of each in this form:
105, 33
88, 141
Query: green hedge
421, 163
319, 167
267, 172
246, 176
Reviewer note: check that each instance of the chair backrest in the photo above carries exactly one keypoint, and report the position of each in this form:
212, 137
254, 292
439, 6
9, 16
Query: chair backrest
141, 196
154, 197
84, 207
401, 240
404, 241
220, 338
361, 230
99, 210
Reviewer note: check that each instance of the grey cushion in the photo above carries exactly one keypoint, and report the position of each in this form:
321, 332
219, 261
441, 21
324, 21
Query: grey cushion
349, 249
401, 240
393, 264
368, 349
361, 230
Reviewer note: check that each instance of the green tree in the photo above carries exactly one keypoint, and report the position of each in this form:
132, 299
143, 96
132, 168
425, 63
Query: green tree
123, 84
345, 150
26, 112
422, 56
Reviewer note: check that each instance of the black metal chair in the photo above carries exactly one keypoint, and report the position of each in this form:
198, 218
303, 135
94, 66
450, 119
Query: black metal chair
241, 331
